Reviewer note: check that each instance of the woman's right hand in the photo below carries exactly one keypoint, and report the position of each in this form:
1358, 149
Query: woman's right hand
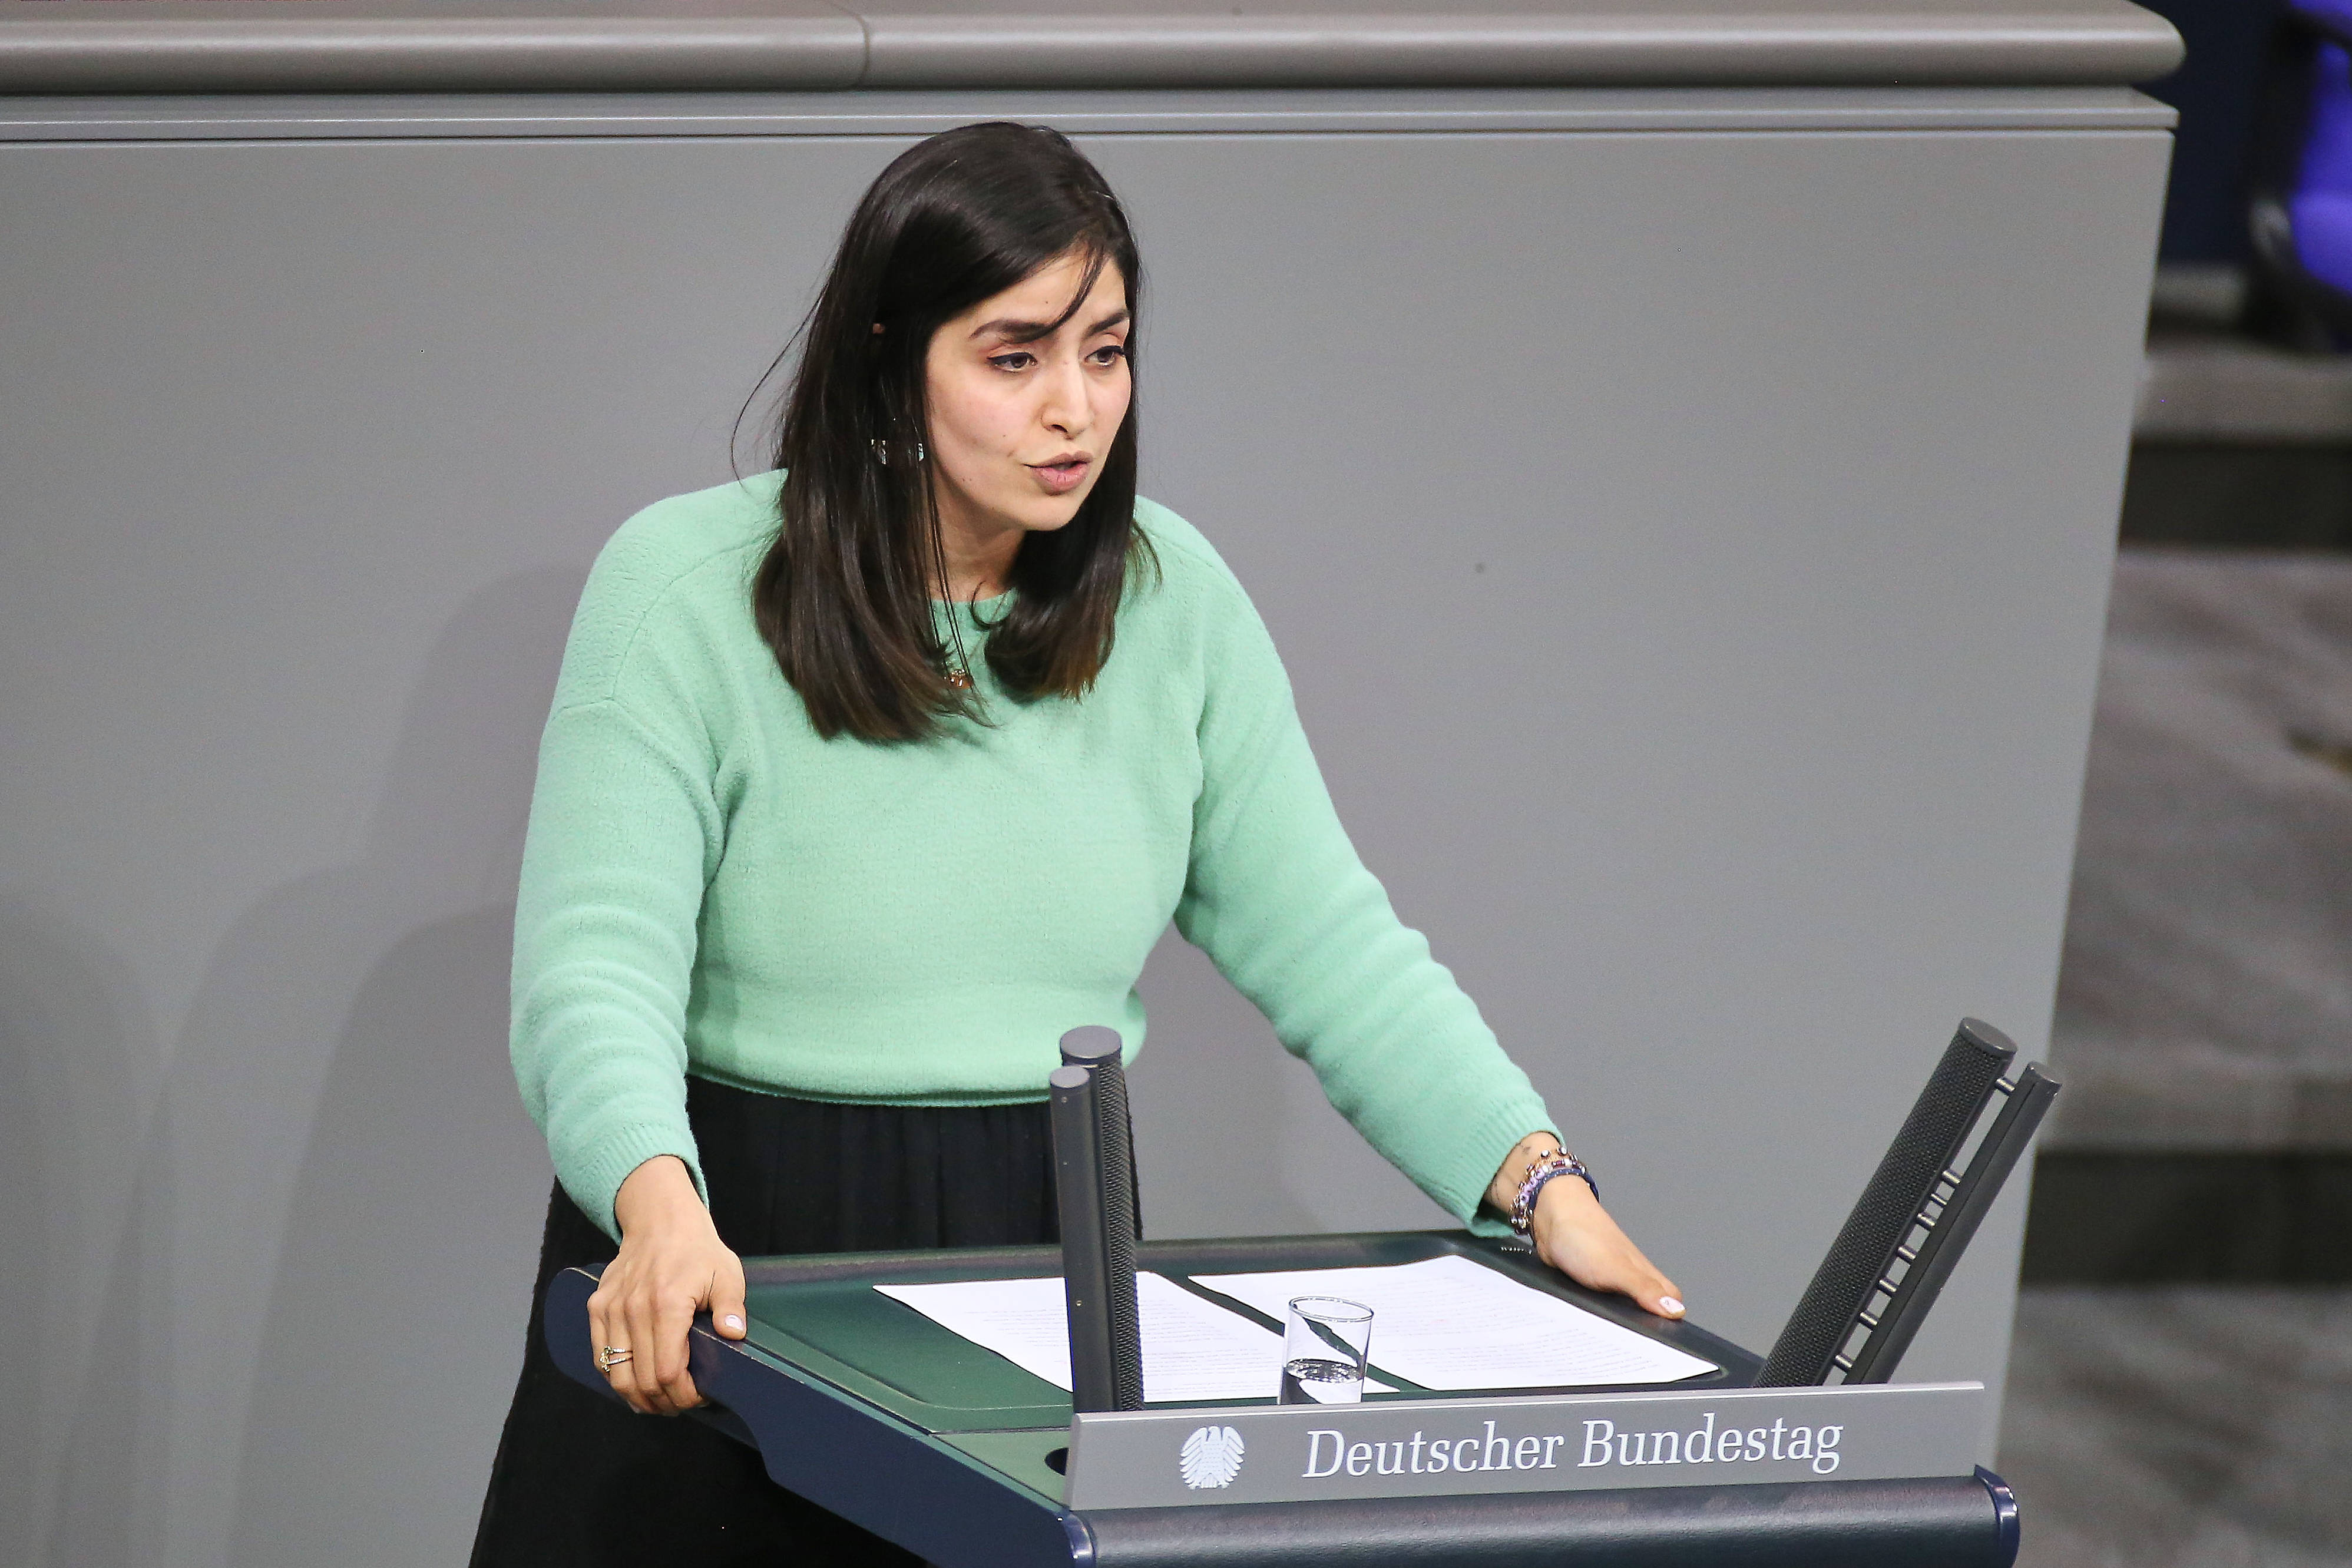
671, 1266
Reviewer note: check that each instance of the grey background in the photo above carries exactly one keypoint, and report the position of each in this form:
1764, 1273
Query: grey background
1689, 548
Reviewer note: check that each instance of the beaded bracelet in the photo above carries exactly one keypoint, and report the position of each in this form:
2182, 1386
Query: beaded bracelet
1523, 1207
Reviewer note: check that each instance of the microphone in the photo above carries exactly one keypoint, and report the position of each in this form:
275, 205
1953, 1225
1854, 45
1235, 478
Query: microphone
1094, 1189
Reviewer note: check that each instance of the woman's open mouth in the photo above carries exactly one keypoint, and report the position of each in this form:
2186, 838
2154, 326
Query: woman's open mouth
1064, 474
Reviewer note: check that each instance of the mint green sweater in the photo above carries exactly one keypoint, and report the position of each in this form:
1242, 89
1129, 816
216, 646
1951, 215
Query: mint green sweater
709, 887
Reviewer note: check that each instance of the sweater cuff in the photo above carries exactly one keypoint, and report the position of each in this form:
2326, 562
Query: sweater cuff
1493, 1137
593, 1178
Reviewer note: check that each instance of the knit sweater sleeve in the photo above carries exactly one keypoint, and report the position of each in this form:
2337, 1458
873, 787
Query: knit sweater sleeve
624, 832
1277, 897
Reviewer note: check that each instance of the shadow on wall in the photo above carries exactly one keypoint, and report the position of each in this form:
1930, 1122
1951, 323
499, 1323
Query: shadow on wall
396, 1323
334, 1280
77, 1059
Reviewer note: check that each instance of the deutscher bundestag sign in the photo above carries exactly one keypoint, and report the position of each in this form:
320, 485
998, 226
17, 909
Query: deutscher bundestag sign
1570, 1442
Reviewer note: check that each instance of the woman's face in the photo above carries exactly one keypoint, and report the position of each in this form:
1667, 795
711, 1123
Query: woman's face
1020, 424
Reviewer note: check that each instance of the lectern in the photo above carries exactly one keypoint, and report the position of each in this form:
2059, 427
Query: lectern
1808, 1458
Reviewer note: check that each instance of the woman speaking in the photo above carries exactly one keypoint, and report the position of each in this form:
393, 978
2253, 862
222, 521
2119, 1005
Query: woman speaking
868, 777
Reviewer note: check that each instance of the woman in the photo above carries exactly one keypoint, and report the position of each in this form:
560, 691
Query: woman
868, 778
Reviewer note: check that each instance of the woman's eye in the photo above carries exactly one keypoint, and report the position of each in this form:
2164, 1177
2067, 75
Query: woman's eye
1109, 354
1013, 361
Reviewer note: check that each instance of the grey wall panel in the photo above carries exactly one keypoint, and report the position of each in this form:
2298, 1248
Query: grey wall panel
1409, 43
1689, 551
440, 45
410, 116
450, 45
1714, 694
308, 452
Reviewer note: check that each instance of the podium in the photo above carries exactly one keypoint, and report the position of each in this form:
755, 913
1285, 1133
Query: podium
867, 1407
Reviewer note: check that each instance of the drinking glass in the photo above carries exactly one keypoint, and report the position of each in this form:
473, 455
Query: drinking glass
1324, 1347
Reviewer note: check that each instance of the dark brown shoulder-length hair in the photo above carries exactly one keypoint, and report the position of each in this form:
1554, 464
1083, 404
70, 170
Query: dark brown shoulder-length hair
845, 596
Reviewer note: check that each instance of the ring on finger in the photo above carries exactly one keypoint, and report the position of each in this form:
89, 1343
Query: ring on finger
611, 1356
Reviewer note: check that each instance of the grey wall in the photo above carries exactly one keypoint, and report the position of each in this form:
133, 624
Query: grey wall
1689, 549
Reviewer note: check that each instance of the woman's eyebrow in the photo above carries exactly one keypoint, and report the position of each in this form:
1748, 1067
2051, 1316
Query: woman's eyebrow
1017, 331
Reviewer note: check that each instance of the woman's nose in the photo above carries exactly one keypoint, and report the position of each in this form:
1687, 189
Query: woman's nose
1067, 408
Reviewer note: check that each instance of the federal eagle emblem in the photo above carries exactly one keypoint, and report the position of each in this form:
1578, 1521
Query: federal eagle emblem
1211, 1457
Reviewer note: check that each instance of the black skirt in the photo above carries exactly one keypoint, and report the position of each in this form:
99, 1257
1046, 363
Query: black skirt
584, 1482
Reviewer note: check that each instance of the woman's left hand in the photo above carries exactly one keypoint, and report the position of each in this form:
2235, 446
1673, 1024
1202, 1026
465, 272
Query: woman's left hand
1575, 1235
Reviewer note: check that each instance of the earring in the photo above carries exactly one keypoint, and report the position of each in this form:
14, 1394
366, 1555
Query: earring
881, 451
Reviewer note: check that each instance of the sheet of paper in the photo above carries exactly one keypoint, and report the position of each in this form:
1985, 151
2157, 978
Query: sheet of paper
1193, 1349
1453, 1324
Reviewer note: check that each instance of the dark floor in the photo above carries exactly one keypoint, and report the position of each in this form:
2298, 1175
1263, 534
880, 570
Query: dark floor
2138, 1216
2276, 495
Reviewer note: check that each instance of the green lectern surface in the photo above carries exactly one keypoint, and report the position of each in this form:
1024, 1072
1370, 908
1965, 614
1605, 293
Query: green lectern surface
823, 1314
